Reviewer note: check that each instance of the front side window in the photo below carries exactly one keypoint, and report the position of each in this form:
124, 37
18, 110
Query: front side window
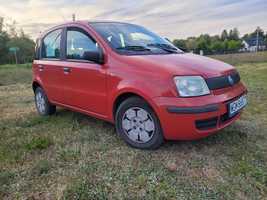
51, 45
80, 45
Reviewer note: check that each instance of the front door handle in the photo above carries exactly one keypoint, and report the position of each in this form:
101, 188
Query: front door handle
41, 68
66, 70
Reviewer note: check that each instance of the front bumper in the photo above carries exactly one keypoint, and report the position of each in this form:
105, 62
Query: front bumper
197, 117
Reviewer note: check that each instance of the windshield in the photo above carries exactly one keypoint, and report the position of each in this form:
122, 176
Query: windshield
133, 39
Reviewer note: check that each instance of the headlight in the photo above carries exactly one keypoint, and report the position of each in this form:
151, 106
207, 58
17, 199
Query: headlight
191, 86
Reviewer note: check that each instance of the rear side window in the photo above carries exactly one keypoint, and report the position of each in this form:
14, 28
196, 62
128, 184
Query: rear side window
79, 44
51, 45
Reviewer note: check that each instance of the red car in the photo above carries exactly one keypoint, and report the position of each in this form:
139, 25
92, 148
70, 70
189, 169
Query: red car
127, 75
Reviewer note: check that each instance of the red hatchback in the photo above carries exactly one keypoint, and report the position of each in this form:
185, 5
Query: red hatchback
129, 76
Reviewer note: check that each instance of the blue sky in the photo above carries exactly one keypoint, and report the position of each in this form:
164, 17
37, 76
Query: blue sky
169, 18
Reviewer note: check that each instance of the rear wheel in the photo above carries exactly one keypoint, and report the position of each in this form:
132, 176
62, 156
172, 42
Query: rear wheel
138, 124
43, 106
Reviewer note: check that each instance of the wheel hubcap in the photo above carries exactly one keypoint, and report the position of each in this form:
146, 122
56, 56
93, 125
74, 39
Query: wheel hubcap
40, 102
138, 125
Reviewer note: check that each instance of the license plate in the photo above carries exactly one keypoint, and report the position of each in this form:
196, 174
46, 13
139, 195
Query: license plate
237, 105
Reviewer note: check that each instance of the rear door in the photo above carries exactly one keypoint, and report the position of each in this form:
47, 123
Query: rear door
50, 66
85, 80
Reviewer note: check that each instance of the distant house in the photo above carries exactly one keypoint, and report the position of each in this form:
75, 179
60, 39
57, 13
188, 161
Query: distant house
251, 44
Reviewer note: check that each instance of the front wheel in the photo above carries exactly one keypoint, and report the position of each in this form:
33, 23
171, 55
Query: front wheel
138, 124
43, 106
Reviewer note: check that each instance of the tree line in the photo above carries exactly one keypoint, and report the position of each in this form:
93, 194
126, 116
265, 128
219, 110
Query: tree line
227, 42
14, 44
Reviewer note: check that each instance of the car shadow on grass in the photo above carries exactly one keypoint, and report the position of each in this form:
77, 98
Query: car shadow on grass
230, 136
82, 119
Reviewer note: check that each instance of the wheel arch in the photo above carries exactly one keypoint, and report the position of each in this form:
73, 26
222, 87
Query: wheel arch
35, 84
123, 95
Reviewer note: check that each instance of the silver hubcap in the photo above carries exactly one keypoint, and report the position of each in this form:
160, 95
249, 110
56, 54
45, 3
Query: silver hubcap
40, 102
138, 125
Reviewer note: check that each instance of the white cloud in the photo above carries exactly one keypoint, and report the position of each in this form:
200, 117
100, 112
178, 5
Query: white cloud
171, 18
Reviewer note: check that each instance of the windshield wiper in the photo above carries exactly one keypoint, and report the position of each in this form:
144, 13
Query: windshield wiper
134, 48
164, 47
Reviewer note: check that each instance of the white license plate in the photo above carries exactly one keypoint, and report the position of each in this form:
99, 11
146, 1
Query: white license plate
237, 105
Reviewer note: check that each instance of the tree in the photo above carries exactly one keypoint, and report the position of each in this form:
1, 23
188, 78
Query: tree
203, 43
234, 45
1, 24
234, 34
254, 34
217, 47
181, 44
12, 29
25, 45
224, 35
11, 38
225, 46
260, 31
191, 44
4, 38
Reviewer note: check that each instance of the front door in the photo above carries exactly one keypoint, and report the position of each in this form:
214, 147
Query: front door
49, 66
85, 80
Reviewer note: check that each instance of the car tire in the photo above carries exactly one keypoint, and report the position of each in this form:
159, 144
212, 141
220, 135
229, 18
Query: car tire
43, 106
138, 125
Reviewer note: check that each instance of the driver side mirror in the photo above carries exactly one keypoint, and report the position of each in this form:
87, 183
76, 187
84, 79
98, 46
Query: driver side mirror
95, 56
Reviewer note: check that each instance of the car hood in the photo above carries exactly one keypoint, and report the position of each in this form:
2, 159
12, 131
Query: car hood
183, 64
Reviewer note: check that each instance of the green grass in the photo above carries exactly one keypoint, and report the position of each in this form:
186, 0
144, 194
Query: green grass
14, 74
240, 58
41, 168
38, 144
73, 156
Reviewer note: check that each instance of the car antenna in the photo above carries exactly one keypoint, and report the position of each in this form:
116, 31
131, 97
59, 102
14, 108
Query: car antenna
73, 17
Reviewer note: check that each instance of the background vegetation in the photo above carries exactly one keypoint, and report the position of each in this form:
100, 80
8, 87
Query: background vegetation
227, 42
11, 37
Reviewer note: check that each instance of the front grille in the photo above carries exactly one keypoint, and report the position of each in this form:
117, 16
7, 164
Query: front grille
207, 123
223, 81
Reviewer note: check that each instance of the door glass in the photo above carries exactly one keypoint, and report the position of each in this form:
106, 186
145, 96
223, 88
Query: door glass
79, 44
51, 45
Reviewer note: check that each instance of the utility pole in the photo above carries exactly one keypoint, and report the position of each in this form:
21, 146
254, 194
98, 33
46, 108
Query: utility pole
257, 42
73, 17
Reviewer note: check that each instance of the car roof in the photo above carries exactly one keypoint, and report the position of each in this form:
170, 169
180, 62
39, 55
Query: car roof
81, 22
90, 22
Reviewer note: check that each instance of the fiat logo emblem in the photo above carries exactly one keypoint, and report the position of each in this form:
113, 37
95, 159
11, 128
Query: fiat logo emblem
231, 81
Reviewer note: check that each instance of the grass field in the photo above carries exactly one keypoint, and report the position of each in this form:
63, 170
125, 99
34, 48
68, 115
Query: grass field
239, 58
73, 156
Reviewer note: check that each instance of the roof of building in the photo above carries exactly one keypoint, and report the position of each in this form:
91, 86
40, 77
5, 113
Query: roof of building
253, 41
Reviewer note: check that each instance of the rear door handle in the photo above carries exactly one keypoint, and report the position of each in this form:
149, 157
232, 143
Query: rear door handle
66, 70
41, 68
